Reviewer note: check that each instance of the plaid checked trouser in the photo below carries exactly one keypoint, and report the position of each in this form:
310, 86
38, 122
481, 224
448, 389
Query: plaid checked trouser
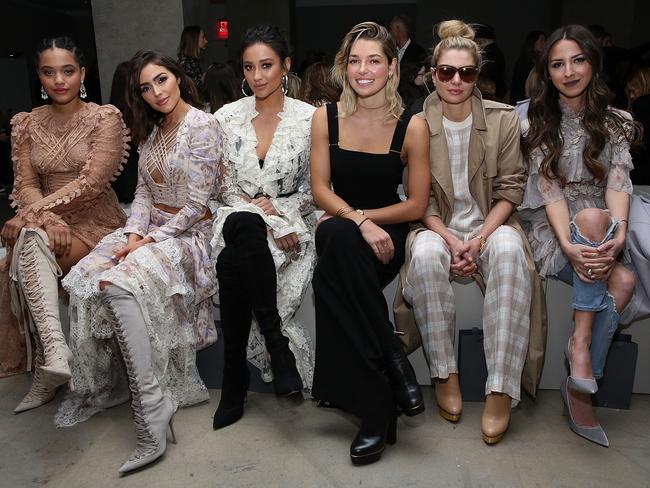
506, 304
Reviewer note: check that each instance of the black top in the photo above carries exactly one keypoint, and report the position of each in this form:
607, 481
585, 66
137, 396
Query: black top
365, 180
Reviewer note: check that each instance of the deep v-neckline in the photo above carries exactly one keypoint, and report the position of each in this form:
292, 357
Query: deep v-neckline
268, 149
161, 146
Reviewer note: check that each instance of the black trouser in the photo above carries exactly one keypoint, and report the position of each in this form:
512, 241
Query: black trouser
354, 335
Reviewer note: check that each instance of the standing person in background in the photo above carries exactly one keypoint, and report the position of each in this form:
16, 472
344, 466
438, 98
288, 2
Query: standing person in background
193, 43
469, 232
124, 185
407, 49
264, 231
141, 300
493, 66
576, 205
533, 45
361, 146
65, 155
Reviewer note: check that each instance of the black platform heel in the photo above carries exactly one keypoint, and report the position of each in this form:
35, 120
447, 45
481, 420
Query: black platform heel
371, 440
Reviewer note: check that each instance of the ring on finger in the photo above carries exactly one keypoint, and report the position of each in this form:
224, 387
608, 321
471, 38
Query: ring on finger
590, 272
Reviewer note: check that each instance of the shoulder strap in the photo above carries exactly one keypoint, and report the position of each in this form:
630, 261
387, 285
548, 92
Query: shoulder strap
333, 123
399, 134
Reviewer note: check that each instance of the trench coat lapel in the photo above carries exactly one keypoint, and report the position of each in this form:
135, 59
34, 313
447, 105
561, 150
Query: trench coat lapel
476, 153
439, 154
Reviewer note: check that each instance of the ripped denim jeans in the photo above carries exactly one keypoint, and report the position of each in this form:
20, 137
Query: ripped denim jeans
594, 297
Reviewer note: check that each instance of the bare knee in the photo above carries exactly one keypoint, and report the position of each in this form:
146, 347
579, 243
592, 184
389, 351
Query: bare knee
621, 286
592, 223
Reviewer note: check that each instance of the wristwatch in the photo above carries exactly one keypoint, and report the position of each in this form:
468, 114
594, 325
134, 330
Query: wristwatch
481, 240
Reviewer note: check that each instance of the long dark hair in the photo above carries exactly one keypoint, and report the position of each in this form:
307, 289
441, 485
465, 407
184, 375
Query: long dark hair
220, 86
145, 117
601, 122
267, 34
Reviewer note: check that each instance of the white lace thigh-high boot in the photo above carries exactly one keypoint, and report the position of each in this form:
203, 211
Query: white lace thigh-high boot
39, 393
38, 279
152, 411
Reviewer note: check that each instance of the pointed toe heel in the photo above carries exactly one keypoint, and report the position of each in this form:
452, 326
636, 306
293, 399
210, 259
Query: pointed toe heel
593, 433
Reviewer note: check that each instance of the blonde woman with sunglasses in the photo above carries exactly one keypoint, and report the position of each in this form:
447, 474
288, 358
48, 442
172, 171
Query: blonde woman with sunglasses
469, 232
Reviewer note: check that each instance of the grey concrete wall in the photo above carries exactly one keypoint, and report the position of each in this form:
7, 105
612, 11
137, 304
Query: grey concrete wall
122, 27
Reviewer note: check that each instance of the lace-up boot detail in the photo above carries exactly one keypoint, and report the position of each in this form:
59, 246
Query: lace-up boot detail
38, 280
152, 411
39, 393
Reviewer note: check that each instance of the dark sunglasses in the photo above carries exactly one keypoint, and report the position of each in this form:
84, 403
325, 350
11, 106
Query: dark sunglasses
446, 73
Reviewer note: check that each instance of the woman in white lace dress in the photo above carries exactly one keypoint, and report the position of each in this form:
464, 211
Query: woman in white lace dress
263, 234
149, 285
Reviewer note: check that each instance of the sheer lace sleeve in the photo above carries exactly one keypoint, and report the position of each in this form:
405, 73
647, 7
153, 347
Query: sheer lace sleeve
138, 221
108, 151
205, 149
228, 191
618, 178
540, 191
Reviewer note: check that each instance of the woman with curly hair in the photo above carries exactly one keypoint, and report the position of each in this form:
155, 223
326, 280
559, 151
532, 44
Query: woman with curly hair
576, 204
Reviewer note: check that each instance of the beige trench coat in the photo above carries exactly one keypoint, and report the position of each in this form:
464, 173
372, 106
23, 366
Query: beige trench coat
496, 172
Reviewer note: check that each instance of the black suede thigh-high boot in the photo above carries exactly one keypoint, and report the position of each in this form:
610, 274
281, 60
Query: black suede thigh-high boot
258, 271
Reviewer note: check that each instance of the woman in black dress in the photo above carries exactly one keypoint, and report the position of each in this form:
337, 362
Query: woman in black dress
360, 147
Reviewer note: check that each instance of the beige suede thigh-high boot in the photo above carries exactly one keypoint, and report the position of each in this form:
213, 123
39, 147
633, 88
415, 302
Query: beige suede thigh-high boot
38, 279
152, 411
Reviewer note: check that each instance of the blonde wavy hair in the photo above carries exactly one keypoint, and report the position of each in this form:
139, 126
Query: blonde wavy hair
371, 32
456, 34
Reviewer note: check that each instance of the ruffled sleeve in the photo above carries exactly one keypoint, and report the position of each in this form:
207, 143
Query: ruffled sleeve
205, 149
618, 177
108, 152
540, 191
27, 188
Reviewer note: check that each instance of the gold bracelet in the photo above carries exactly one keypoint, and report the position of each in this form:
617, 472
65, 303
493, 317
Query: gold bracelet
481, 240
343, 210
